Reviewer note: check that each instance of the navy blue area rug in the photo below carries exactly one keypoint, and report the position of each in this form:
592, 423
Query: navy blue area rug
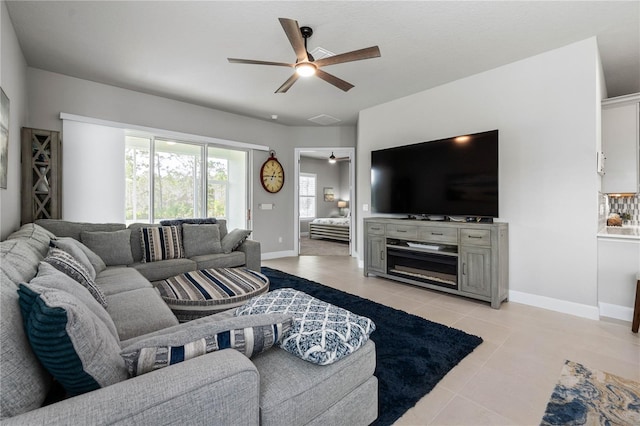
412, 354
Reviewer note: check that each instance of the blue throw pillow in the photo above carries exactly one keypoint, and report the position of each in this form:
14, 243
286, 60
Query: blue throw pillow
72, 344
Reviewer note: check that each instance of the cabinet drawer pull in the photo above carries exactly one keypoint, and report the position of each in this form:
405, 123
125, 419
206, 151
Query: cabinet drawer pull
436, 233
381, 254
475, 236
401, 230
375, 229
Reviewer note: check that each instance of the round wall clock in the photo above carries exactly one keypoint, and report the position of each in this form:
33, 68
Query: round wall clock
272, 174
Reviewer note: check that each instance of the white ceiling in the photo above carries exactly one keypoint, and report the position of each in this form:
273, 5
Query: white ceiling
179, 49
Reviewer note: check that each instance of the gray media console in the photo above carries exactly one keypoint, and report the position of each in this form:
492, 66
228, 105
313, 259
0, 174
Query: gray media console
468, 259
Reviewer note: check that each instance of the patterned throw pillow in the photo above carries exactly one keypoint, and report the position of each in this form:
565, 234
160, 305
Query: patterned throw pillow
70, 341
161, 243
321, 333
250, 335
64, 262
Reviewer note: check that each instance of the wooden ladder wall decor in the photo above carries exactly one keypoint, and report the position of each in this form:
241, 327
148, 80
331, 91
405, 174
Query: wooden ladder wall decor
41, 175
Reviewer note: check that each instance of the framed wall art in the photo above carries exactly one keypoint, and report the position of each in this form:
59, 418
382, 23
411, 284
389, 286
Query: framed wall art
328, 194
4, 138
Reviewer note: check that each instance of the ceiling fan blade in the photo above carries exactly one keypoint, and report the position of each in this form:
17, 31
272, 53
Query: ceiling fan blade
251, 61
292, 30
287, 84
356, 55
339, 83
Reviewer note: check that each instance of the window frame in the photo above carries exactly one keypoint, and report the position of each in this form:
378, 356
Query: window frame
204, 175
314, 196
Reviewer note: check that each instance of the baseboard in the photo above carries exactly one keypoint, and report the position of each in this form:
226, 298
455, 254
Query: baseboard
623, 313
566, 307
277, 254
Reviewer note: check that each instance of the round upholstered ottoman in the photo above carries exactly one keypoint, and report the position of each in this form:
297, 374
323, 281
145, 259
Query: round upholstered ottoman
200, 293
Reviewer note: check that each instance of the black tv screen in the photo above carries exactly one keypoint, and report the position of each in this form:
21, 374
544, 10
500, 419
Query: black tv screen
456, 176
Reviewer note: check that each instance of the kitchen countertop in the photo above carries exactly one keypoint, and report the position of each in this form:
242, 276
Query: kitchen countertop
620, 232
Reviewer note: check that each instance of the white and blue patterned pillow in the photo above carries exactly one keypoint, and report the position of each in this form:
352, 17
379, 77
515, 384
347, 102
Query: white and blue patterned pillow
321, 333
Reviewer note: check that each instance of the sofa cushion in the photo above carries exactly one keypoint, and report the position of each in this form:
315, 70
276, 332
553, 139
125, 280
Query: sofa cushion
64, 228
70, 341
251, 337
69, 245
201, 239
155, 271
221, 260
114, 247
19, 260
125, 308
161, 243
24, 381
67, 264
295, 392
233, 239
50, 277
35, 235
118, 279
322, 333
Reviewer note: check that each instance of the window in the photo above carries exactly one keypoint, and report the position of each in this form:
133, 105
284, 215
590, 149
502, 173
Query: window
307, 196
188, 180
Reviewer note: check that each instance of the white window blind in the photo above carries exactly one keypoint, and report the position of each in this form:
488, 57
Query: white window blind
307, 195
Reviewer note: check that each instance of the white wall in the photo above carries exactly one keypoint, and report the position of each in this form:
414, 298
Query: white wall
51, 93
546, 109
13, 80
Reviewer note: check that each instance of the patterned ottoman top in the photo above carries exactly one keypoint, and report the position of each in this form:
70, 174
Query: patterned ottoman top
211, 290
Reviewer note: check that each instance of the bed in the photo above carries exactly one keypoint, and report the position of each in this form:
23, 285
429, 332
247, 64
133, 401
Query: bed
334, 228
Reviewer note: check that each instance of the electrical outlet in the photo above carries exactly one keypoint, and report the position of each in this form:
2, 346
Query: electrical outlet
365, 207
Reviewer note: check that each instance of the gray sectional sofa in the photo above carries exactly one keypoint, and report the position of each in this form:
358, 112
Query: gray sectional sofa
222, 388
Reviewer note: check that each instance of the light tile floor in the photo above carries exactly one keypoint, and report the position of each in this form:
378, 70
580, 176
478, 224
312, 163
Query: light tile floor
509, 378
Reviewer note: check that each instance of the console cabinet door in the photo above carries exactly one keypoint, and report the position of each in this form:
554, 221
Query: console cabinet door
376, 253
475, 273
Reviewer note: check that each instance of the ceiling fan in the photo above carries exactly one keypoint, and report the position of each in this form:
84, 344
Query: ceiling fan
333, 159
305, 64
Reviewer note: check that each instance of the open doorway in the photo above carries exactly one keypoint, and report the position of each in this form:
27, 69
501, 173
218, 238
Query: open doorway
324, 189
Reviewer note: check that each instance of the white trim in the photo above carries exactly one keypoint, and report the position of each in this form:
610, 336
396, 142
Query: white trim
572, 308
623, 313
161, 132
278, 254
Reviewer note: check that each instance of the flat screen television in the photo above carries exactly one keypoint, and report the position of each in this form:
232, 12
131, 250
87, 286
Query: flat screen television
457, 176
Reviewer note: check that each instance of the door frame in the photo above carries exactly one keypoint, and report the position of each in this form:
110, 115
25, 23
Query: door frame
352, 194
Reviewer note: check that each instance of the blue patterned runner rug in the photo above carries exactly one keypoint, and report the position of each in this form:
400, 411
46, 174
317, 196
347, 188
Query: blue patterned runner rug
586, 396
412, 354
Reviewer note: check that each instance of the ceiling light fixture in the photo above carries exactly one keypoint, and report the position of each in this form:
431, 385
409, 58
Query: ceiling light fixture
332, 159
305, 69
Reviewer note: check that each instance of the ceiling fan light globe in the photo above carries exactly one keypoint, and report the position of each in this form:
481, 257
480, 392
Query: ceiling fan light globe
305, 69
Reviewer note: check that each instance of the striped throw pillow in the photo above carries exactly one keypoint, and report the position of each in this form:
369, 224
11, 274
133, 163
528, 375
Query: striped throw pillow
249, 335
161, 243
68, 265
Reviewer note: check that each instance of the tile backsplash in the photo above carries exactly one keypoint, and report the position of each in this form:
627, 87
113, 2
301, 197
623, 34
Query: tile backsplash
626, 205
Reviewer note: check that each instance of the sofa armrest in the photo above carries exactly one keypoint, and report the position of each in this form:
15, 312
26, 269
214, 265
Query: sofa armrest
252, 254
218, 388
